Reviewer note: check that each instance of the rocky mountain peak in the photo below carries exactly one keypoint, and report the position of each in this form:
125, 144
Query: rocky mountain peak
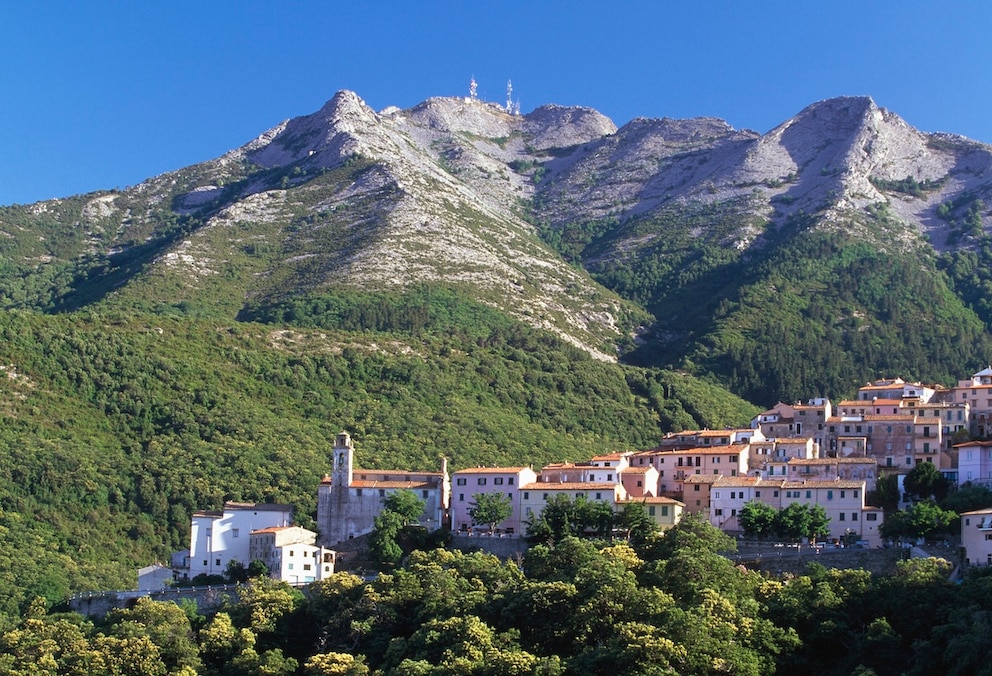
323, 138
553, 126
447, 191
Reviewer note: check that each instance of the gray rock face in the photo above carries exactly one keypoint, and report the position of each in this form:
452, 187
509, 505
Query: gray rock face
447, 191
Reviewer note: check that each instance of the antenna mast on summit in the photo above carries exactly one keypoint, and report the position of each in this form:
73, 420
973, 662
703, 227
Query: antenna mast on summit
509, 96
473, 89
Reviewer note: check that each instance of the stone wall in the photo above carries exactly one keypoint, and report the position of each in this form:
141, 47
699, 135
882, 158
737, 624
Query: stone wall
503, 547
98, 604
794, 560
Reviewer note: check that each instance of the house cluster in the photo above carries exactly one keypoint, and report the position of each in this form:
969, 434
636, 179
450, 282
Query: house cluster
816, 453
243, 532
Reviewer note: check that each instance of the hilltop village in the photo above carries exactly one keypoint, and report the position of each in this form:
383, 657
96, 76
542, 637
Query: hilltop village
815, 453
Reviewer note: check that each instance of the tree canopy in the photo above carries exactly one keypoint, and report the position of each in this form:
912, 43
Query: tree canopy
489, 509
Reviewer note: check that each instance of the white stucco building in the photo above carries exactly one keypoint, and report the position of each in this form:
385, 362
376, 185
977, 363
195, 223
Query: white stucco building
219, 537
290, 554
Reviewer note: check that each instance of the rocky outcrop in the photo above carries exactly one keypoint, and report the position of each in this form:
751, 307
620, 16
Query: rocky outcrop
447, 192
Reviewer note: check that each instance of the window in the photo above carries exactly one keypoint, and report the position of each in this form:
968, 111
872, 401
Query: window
696, 488
461, 481
809, 494
609, 477
217, 562
306, 566
774, 494
842, 493
854, 516
757, 494
830, 495
651, 510
527, 496
841, 516
716, 494
234, 532
664, 510
718, 511
498, 481
482, 481
358, 492
461, 497
424, 494
599, 496
289, 566
509, 481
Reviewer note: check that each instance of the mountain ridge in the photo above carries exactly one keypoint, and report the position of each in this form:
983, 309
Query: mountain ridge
535, 215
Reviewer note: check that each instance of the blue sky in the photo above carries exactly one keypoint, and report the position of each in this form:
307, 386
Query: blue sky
97, 95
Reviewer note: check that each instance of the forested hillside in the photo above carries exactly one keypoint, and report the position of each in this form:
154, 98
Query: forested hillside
457, 280
117, 426
815, 312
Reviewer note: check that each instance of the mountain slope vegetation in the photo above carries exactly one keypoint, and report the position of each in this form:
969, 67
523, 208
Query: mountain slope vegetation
117, 426
453, 279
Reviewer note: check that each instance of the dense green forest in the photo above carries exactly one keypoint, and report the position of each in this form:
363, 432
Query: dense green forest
668, 604
116, 426
810, 312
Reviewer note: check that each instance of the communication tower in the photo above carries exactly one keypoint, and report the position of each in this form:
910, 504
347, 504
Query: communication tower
473, 89
509, 96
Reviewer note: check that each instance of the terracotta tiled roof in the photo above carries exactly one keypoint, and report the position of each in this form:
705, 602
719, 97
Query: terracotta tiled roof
491, 470
610, 456
741, 481
706, 450
569, 486
273, 529
651, 500
827, 484
830, 461
701, 478
392, 484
